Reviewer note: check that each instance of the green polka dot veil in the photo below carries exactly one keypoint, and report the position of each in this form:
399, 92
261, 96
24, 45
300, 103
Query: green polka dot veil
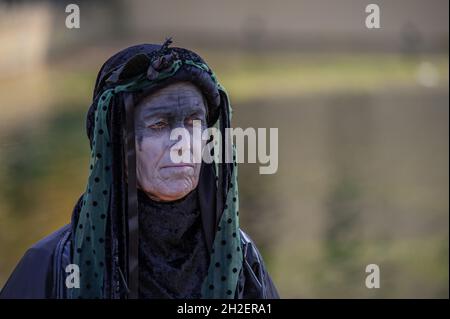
94, 247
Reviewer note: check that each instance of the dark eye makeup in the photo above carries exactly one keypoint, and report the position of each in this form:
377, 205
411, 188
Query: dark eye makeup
158, 125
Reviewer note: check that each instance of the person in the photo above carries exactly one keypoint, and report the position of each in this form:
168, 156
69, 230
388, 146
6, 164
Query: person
146, 226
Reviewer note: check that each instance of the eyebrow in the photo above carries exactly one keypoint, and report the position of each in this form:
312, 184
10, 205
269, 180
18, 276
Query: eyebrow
167, 110
148, 112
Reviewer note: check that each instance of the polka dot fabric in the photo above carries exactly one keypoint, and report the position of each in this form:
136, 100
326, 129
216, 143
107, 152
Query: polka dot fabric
89, 251
226, 257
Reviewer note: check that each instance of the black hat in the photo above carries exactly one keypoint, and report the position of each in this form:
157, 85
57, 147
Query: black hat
153, 59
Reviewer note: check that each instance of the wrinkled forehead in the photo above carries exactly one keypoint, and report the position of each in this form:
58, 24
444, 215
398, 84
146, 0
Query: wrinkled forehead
175, 99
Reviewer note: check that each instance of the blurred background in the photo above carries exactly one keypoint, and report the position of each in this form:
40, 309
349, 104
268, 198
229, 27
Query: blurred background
363, 118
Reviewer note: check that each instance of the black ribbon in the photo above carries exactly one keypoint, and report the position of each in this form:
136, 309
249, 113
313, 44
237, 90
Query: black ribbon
132, 201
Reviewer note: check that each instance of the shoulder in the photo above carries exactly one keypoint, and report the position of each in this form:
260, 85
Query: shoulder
48, 244
252, 256
257, 282
32, 276
249, 247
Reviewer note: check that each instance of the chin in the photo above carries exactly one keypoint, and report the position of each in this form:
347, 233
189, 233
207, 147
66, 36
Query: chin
172, 197
175, 190
178, 191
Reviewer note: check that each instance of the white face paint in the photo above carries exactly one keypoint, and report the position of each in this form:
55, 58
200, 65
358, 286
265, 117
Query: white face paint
174, 106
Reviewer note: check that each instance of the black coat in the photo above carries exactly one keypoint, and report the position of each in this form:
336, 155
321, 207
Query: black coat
41, 272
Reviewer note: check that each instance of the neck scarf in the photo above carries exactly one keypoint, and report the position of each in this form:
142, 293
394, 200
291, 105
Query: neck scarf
173, 258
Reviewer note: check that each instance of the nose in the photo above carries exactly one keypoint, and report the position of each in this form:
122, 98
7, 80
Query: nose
181, 147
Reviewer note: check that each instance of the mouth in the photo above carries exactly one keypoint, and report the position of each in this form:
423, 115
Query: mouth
181, 165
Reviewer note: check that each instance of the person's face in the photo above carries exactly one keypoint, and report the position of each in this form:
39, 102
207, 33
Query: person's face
174, 106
